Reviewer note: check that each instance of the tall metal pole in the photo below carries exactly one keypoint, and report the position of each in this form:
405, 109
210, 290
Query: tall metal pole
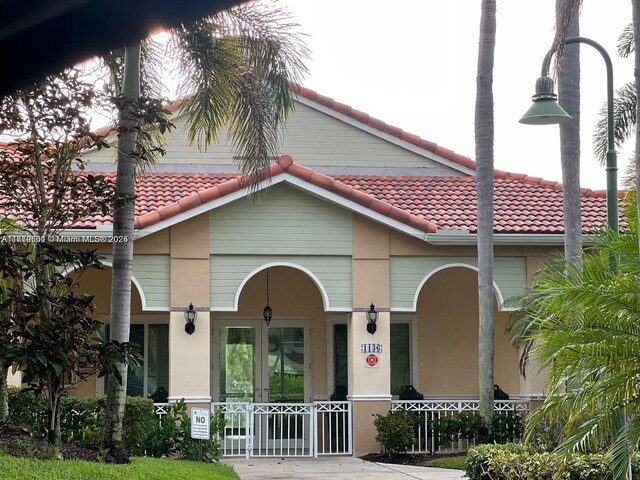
612, 156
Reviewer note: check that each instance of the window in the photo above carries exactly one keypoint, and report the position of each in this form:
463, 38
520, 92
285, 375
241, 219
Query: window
400, 352
151, 378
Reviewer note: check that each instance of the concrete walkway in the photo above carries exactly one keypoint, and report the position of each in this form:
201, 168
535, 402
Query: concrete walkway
333, 468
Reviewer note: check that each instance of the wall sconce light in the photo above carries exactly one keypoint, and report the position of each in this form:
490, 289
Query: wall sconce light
372, 318
267, 312
190, 316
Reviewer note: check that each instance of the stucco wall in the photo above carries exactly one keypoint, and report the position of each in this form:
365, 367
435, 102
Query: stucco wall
448, 338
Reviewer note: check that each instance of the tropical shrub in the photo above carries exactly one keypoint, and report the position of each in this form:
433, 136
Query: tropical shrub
396, 430
507, 426
82, 419
515, 462
171, 435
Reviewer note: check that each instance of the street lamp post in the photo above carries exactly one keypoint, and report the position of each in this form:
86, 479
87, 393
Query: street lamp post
545, 111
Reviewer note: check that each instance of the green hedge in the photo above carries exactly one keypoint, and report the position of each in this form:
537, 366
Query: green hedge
82, 420
509, 462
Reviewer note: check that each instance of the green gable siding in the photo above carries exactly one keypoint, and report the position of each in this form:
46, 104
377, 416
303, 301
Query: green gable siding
153, 273
229, 271
408, 272
284, 221
311, 137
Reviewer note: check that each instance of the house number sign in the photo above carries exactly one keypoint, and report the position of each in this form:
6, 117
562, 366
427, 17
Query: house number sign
371, 348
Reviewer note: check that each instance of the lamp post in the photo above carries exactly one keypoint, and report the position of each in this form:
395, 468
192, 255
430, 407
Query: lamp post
545, 111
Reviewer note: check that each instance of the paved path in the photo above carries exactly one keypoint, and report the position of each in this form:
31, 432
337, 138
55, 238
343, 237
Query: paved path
334, 468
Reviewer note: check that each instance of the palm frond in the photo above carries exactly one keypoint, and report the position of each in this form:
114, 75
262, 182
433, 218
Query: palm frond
624, 121
625, 41
152, 55
239, 70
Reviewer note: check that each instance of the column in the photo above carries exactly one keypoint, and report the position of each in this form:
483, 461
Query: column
369, 386
190, 355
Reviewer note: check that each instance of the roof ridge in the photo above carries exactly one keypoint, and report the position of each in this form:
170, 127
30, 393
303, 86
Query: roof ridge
285, 164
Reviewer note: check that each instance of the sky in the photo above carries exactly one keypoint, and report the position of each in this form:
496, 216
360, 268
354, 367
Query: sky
414, 66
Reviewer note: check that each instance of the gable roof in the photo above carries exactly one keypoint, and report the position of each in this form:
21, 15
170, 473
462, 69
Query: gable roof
384, 130
523, 205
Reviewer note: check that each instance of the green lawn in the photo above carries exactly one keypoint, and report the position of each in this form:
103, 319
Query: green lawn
447, 462
140, 468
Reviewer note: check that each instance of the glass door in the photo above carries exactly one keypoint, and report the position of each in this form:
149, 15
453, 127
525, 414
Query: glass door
264, 364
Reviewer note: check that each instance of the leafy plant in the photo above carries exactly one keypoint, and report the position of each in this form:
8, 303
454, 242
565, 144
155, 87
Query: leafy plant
508, 462
466, 425
396, 430
171, 435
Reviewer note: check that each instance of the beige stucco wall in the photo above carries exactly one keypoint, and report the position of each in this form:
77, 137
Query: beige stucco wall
364, 431
448, 338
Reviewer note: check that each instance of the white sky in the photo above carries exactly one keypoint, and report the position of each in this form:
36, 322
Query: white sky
414, 66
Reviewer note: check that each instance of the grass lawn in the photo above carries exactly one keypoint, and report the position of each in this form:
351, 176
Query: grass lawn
139, 468
447, 462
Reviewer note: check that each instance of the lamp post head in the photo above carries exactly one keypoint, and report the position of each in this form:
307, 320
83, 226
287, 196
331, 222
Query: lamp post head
545, 109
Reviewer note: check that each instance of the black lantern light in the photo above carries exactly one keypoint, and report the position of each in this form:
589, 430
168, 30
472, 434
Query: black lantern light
267, 312
190, 316
372, 318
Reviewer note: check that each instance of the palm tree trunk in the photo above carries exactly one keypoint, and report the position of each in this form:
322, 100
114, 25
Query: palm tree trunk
4, 395
484, 136
569, 94
123, 223
636, 73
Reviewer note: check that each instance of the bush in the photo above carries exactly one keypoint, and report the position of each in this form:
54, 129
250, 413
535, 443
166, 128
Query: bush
507, 426
509, 462
82, 420
395, 430
171, 435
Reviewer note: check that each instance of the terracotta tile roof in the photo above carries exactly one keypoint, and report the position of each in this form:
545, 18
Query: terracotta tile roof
522, 204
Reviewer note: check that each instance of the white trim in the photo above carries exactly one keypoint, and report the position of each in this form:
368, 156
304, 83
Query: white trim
452, 237
385, 136
382, 397
323, 291
190, 398
496, 289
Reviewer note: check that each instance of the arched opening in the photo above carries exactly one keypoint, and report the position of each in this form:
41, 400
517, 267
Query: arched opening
447, 311
257, 362
149, 329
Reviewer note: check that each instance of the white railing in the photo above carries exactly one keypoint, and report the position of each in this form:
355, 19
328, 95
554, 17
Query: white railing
285, 429
425, 437
334, 434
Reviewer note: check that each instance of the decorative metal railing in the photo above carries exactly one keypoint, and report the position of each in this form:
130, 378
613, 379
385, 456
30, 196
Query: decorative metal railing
285, 429
426, 438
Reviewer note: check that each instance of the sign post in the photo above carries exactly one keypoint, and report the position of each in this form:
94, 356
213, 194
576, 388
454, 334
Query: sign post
200, 426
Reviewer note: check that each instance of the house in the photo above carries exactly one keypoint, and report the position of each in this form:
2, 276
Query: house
357, 215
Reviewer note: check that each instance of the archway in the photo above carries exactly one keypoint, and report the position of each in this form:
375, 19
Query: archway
447, 310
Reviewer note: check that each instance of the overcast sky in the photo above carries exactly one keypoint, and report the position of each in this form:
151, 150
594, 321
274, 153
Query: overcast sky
414, 66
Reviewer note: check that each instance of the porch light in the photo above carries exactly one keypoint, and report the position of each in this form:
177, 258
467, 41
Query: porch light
190, 316
267, 312
372, 318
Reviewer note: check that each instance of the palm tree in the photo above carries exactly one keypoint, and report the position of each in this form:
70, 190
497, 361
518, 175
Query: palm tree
484, 135
238, 69
569, 95
585, 326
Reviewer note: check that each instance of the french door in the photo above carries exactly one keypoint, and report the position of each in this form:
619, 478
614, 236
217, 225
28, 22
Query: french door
253, 362
268, 366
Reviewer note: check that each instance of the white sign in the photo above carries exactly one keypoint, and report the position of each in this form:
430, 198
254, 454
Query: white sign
200, 423
371, 347
372, 361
